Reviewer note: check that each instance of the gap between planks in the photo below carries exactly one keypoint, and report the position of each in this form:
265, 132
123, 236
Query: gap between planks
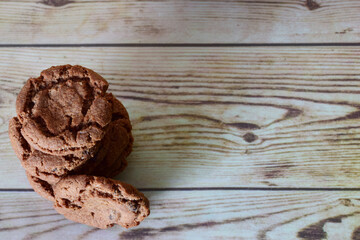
183, 45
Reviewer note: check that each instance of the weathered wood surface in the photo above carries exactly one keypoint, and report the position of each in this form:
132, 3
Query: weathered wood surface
226, 21
199, 215
217, 117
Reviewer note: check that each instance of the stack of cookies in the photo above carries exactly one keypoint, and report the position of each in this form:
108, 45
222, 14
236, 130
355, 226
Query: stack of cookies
71, 136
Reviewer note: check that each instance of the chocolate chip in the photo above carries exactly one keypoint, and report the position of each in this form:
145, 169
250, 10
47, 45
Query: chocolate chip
133, 206
117, 193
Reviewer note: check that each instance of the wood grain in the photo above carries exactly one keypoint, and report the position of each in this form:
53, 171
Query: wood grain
166, 21
217, 117
201, 214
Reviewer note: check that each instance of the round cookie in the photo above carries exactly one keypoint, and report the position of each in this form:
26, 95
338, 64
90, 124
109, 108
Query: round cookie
43, 188
116, 145
93, 162
121, 163
51, 167
41, 165
100, 202
119, 141
65, 110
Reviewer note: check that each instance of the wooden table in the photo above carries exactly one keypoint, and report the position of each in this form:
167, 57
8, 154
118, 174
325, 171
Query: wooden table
245, 113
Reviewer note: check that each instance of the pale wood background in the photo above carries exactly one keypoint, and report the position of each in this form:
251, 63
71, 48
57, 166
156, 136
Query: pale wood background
169, 21
254, 140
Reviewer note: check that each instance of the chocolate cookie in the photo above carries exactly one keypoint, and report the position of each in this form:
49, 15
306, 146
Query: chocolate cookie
119, 143
65, 110
51, 167
68, 126
111, 152
116, 145
100, 202
41, 165
120, 164
41, 187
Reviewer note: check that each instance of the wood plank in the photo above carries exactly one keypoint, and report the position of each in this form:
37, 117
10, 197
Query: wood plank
166, 21
200, 214
217, 117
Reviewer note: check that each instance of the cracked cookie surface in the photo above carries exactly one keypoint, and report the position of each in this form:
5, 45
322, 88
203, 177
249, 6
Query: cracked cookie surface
65, 110
67, 132
100, 202
41, 187
110, 156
